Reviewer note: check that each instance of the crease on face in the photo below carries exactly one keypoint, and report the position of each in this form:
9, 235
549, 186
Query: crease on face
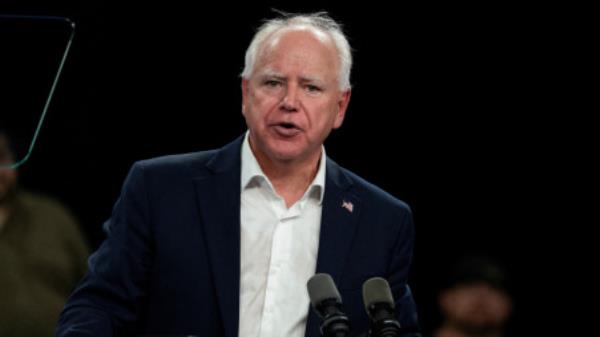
269, 73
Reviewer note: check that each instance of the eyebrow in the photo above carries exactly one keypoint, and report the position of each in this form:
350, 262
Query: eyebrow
272, 74
303, 79
309, 79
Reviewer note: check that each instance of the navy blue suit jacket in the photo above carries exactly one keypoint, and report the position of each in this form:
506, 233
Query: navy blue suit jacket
170, 264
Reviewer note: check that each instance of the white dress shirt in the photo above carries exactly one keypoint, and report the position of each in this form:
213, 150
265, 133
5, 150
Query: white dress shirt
278, 252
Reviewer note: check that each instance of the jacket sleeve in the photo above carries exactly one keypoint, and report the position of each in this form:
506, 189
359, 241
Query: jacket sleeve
406, 310
107, 301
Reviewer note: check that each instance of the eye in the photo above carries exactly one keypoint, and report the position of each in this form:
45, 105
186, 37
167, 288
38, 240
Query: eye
313, 88
272, 83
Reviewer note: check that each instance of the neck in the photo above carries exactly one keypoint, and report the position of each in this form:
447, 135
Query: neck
290, 179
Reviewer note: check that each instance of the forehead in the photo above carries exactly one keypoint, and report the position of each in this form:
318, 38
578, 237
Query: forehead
300, 47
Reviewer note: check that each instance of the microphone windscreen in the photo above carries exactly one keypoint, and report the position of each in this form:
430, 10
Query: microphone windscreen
377, 290
321, 287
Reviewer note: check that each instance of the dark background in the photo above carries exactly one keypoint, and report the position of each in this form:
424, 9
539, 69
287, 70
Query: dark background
449, 112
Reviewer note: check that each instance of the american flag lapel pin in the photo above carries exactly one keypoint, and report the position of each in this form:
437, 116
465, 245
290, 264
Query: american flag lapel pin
348, 206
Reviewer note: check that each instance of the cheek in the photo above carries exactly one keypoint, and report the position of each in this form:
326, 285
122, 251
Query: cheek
256, 112
260, 103
327, 115
500, 307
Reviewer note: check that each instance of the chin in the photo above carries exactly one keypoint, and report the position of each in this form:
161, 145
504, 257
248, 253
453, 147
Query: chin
285, 155
286, 151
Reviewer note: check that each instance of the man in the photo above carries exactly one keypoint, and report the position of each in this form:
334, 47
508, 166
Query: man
42, 255
475, 303
222, 243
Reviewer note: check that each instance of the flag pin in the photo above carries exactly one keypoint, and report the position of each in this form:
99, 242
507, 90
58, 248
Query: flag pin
348, 206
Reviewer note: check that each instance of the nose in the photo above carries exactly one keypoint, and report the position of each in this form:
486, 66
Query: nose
289, 103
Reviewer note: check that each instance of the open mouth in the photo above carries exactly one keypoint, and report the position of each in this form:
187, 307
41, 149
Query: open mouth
288, 125
286, 129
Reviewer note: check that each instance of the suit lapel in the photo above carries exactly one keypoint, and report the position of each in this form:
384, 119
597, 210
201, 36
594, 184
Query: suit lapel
338, 223
341, 209
218, 196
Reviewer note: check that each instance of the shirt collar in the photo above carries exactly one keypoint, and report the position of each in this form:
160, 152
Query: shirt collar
251, 170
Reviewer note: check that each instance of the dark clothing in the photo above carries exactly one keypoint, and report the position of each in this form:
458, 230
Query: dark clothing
171, 262
42, 257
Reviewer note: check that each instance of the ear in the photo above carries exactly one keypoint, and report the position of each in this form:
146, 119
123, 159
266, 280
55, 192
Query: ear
342, 106
244, 95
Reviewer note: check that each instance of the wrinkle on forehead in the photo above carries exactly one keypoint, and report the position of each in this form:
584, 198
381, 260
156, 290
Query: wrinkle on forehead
272, 43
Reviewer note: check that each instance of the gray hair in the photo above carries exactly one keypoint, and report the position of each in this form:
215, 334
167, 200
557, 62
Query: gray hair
320, 21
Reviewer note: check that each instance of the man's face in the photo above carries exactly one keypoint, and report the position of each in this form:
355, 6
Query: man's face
292, 100
476, 307
8, 177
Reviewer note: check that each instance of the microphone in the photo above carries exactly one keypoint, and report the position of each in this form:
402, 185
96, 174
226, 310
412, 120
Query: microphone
327, 302
379, 304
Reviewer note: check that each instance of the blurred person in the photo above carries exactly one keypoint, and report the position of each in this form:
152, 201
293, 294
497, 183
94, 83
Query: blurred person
42, 255
476, 301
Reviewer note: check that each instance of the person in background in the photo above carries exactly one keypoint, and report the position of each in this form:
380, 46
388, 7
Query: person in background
476, 301
42, 255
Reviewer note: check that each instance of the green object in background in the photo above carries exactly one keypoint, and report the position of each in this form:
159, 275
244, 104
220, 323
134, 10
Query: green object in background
22, 82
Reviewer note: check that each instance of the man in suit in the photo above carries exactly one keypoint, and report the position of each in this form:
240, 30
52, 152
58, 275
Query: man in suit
222, 242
